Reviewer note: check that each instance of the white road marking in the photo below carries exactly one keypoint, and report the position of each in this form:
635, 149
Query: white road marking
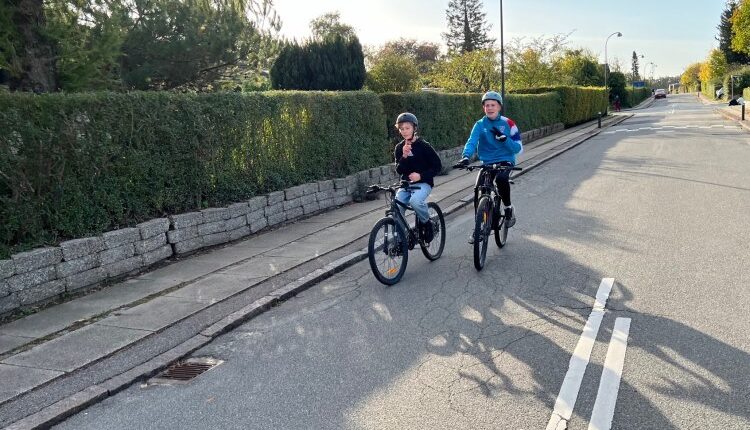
566, 399
609, 385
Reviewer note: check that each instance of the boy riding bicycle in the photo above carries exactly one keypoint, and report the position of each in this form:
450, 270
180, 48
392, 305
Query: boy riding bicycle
418, 163
497, 140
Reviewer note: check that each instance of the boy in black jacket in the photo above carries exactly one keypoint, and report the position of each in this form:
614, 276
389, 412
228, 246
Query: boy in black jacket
418, 163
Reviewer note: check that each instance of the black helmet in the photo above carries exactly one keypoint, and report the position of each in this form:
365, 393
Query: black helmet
407, 117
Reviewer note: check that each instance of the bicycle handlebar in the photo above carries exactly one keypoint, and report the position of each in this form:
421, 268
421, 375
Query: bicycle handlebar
393, 187
485, 167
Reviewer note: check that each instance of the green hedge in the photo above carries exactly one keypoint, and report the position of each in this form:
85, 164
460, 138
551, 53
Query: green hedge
446, 120
636, 95
746, 94
76, 165
709, 89
578, 104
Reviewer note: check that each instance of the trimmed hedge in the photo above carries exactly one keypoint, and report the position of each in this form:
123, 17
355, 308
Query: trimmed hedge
709, 89
578, 104
446, 120
635, 96
77, 165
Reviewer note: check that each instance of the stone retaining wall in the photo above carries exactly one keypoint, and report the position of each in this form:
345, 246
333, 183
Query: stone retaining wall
40, 275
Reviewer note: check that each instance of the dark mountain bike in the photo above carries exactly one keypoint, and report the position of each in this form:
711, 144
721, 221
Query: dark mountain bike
488, 213
392, 237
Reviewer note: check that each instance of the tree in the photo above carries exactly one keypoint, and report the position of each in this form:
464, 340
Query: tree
716, 66
690, 77
530, 61
634, 68
467, 27
741, 28
617, 83
423, 54
394, 73
329, 25
27, 53
577, 67
471, 72
725, 36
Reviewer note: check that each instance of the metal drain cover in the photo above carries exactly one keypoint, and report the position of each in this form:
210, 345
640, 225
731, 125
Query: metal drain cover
184, 371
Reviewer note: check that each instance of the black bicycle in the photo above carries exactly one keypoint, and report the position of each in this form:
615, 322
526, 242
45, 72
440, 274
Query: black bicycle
392, 237
489, 215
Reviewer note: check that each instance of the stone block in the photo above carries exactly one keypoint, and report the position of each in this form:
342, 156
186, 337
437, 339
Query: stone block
42, 292
157, 255
7, 269
186, 220
188, 245
116, 238
212, 228
294, 192
4, 289
291, 204
275, 197
257, 203
116, 254
190, 232
327, 203
216, 238
36, 259
255, 215
308, 198
215, 214
340, 193
153, 227
325, 185
386, 171
9, 303
85, 279
238, 209
311, 208
258, 225
343, 200
324, 195
310, 188
374, 173
67, 268
274, 209
148, 245
276, 218
294, 213
123, 266
239, 233
77, 248
235, 223
30, 279
340, 183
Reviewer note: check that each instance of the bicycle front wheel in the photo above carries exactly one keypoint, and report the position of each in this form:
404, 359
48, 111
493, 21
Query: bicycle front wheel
482, 226
434, 249
388, 251
501, 232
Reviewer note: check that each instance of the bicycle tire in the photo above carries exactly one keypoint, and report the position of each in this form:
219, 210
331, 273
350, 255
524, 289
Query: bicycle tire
482, 224
501, 231
434, 252
396, 251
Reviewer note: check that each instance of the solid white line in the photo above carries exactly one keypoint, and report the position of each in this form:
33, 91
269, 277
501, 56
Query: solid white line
606, 397
566, 399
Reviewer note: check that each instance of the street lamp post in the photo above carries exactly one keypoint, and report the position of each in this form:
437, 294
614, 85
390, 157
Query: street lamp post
606, 69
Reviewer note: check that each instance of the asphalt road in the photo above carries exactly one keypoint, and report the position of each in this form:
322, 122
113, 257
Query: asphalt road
660, 203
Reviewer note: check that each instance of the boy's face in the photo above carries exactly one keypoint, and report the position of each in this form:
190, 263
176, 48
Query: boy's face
491, 109
406, 129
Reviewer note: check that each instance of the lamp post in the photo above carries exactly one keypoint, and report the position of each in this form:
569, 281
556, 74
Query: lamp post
606, 69
653, 66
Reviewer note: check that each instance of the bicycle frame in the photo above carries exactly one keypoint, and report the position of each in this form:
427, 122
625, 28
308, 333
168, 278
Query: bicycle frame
394, 212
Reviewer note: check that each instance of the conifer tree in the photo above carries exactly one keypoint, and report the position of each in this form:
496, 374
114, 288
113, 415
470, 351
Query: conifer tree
467, 27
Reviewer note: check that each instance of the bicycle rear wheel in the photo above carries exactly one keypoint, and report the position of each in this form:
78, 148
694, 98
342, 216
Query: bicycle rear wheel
434, 249
388, 251
482, 226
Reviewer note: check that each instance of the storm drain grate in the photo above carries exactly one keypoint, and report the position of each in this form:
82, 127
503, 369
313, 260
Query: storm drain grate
185, 370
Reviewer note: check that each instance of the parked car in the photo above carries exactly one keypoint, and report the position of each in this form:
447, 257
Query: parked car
660, 94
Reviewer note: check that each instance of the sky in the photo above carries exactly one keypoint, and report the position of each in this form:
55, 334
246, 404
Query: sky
671, 34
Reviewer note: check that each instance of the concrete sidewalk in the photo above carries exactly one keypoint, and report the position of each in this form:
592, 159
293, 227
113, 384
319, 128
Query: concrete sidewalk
65, 357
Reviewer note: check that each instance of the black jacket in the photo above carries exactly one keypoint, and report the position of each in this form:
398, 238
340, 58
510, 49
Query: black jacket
424, 160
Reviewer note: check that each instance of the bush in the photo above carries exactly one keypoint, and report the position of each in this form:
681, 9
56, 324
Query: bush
577, 104
709, 89
77, 165
446, 120
634, 96
741, 81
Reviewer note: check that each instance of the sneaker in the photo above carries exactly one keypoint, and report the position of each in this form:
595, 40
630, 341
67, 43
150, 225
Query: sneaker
425, 230
510, 216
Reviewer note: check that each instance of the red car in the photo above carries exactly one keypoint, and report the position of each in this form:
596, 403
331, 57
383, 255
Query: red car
660, 94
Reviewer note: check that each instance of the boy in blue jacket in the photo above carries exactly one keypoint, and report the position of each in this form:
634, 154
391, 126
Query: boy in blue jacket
497, 140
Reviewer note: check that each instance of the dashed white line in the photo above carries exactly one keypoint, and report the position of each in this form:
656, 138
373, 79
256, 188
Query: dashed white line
566, 399
609, 385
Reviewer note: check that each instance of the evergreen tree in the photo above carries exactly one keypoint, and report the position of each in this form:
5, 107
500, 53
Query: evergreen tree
335, 64
467, 27
636, 76
725, 36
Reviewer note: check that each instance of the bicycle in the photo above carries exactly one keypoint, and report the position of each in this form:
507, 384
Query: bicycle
487, 206
392, 237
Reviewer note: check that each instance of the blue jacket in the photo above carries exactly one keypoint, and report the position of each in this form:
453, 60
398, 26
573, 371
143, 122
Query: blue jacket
491, 150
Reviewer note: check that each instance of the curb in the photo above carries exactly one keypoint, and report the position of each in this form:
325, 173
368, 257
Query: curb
731, 117
75, 403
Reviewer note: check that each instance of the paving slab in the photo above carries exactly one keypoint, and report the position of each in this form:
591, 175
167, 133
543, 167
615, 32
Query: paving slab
261, 266
215, 288
181, 271
231, 254
18, 380
77, 349
51, 320
155, 314
8, 342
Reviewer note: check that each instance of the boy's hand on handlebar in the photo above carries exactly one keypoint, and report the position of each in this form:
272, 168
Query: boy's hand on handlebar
461, 163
